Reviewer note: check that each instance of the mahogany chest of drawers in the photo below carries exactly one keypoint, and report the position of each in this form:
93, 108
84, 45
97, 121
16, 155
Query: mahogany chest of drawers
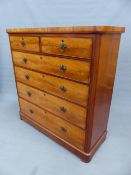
64, 79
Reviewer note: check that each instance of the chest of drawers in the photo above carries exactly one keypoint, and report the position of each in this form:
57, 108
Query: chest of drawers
64, 79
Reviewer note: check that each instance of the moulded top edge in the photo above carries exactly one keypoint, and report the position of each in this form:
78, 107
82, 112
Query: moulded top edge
73, 29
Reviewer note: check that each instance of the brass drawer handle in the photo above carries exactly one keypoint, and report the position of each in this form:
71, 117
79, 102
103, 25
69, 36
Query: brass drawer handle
31, 111
63, 89
63, 109
63, 129
22, 43
25, 60
29, 94
27, 77
63, 68
62, 46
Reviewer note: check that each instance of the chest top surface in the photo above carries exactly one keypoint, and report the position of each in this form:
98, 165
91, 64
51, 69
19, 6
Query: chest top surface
73, 29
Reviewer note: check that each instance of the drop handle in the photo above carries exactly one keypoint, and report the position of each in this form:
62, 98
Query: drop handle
63, 129
63, 109
27, 77
63, 89
25, 60
62, 68
29, 94
62, 46
22, 43
31, 111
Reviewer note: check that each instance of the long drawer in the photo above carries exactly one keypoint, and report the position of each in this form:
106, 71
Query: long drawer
64, 109
61, 128
72, 91
69, 68
25, 43
79, 47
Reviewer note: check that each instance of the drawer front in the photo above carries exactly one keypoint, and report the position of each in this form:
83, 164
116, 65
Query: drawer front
25, 43
64, 109
64, 88
61, 128
78, 47
72, 69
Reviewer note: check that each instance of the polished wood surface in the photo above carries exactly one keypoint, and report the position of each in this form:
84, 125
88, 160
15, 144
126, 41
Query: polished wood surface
80, 47
71, 112
60, 127
68, 68
64, 79
73, 29
25, 43
108, 54
72, 91
84, 156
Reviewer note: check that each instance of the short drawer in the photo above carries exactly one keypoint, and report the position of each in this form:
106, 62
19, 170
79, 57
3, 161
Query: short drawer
69, 68
78, 47
26, 43
64, 109
61, 128
64, 88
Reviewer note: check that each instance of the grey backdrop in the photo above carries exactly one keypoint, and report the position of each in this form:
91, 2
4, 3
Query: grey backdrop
24, 151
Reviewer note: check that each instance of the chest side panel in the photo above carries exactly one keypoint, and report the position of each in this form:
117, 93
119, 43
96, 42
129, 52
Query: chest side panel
104, 73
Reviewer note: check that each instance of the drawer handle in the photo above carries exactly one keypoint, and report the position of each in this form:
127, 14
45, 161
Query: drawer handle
63, 109
29, 94
63, 89
31, 111
22, 43
27, 77
63, 68
63, 129
62, 46
25, 60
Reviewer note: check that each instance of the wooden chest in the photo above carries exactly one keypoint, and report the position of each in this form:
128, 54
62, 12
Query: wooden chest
64, 79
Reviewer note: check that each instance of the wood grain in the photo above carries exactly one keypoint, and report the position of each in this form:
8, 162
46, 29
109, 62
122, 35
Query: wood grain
73, 113
26, 43
80, 47
85, 157
105, 82
72, 91
65, 85
103, 75
72, 69
65, 130
73, 29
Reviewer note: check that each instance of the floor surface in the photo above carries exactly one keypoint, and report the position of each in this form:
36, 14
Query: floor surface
25, 151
